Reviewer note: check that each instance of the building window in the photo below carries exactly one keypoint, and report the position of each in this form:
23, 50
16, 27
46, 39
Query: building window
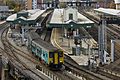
70, 16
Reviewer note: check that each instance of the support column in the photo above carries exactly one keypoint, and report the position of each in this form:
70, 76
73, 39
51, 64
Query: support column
112, 50
22, 35
65, 32
77, 50
102, 41
68, 41
89, 52
77, 32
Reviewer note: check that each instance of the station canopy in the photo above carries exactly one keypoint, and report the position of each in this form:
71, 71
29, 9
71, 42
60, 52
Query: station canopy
108, 11
25, 17
58, 22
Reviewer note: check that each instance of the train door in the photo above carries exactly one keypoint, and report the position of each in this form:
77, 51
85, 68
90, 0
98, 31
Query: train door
56, 58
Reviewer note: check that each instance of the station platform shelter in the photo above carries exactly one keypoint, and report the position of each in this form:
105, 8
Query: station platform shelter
24, 20
69, 19
25, 17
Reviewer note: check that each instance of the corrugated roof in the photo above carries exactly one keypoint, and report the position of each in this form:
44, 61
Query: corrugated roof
43, 44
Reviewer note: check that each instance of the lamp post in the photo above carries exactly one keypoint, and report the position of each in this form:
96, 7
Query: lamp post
62, 26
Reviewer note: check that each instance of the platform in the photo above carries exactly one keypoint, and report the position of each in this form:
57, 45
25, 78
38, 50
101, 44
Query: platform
81, 59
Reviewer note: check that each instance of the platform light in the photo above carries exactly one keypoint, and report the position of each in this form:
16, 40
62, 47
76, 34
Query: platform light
71, 25
88, 26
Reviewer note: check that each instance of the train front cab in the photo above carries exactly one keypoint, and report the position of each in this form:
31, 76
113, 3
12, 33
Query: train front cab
56, 59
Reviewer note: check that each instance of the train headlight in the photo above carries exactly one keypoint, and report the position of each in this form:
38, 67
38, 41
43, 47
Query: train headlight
51, 61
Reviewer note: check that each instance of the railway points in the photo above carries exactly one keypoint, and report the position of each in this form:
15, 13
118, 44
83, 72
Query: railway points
43, 70
113, 33
54, 76
68, 34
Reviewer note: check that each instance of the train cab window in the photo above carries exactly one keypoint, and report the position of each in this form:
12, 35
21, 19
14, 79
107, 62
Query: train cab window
50, 54
60, 54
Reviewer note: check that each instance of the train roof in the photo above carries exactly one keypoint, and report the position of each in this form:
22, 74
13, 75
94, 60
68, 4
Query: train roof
36, 38
33, 35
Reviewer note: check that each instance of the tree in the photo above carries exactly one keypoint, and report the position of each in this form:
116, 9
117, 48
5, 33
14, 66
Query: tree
13, 5
112, 5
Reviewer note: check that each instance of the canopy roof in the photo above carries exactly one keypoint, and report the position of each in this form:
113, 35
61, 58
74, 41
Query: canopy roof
107, 11
57, 20
33, 15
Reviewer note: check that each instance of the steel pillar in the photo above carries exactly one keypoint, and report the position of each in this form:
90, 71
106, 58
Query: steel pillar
22, 35
112, 50
102, 41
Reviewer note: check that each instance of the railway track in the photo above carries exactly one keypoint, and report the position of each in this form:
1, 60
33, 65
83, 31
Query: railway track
15, 55
112, 33
74, 68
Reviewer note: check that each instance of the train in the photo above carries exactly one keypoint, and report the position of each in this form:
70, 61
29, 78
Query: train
46, 52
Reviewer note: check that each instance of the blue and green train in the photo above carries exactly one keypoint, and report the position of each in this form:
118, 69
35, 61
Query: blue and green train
46, 52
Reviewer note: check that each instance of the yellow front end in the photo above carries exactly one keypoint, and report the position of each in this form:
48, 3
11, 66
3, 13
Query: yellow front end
55, 58
61, 59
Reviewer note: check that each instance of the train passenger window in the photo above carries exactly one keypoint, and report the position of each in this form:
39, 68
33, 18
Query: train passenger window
44, 55
33, 47
50, 54
60, 54
38, 51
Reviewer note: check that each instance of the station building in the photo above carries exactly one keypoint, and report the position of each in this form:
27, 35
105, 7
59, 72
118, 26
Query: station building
117, 2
